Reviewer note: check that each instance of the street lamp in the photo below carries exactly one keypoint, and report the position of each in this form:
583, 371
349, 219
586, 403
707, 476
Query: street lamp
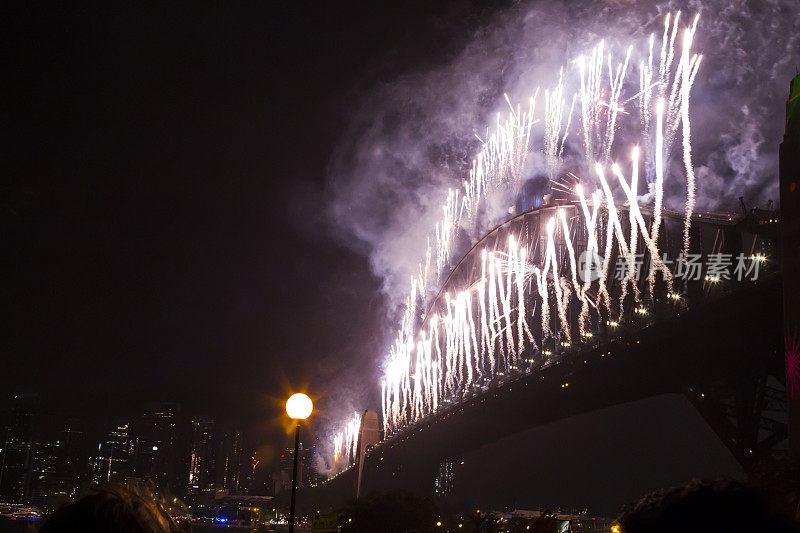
298, 407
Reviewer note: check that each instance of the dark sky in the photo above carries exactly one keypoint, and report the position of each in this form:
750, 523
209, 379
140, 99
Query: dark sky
163, 199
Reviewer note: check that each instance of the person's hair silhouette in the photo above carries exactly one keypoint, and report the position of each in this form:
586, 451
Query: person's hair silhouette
113, 507
726, 506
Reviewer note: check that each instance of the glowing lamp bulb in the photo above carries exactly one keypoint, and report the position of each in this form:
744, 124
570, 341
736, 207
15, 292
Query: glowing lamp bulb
299, 406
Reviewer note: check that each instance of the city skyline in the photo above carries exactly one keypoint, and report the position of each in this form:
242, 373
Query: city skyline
46, 459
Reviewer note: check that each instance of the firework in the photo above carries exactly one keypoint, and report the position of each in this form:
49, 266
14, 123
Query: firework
470, 337
345, 444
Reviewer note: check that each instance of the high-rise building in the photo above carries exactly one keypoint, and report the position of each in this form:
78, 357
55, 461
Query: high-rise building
443, 483
59, 465
202, 456
283, 478
309, 473
42, 457
73, 463
254, 478
232, 463
111, 457
306, 474
154, 447
16, 449
45, 481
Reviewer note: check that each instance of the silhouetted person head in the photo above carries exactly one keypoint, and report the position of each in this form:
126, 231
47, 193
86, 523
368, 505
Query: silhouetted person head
726, 506
115, 507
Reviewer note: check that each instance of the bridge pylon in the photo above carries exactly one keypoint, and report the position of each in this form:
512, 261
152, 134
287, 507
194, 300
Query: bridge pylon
790, 252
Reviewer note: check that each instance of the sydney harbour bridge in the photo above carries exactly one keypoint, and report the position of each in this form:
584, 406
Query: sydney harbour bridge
592, 301
718, 345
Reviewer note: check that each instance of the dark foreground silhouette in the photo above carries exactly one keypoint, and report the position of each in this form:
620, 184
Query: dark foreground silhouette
723, 506
697, 507
115, 507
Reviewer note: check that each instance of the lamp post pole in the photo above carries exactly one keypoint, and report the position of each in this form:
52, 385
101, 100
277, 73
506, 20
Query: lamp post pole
294, 476
298, 407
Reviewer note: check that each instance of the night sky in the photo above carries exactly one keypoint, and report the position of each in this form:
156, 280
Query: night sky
165, 225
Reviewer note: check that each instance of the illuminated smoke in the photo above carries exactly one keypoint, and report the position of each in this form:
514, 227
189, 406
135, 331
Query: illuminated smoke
483, 330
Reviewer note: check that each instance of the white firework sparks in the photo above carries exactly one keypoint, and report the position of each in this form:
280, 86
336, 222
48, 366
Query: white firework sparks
483, 331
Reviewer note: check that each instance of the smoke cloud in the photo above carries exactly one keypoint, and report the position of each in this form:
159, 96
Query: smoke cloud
412, 138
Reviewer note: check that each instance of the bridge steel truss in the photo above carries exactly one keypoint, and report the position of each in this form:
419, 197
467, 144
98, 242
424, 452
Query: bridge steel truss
747, 411
719, 344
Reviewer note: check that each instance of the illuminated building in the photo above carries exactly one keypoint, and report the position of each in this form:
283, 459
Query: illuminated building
44, 473
72, 462
283, 478
231, 462
58, 465
111, 458
154, 446
443, 484
201, 456
16, 450
310, 474
250, 482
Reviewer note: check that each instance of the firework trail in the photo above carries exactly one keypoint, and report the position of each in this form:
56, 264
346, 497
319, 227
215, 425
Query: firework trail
671, 90
499, 163
345, 444
688, 71
518, 300
555, 104
600, 116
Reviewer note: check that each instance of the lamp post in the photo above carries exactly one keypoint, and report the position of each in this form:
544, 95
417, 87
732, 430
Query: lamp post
298, 407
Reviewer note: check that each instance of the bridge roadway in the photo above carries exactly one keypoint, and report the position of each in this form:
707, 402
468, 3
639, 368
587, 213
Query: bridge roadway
719, 355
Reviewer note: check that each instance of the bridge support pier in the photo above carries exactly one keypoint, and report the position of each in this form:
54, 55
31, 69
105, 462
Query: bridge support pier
790, 252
